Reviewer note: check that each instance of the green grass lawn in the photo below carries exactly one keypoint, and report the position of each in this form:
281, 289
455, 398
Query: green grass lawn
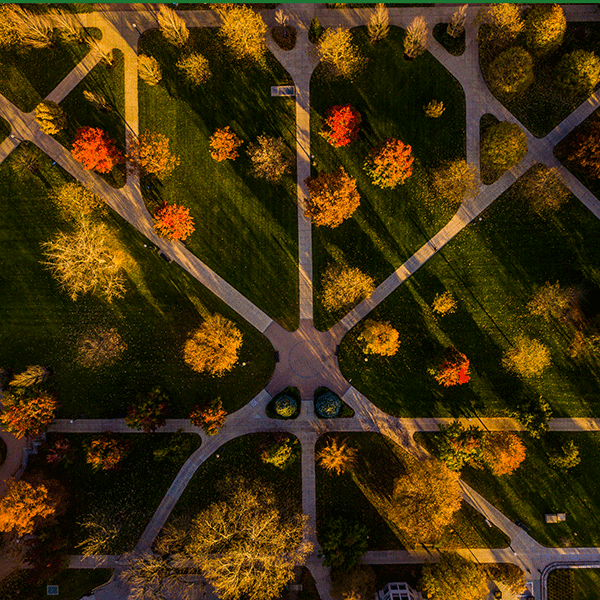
536, 489
543, 105
379, 463
73, 584
130, 495
246, 228
390, 225
561, 152
41, 325
27, 76
492, 268
241, 457
108, 81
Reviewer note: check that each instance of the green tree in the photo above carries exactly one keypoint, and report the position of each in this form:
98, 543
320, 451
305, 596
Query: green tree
504, 23
578, 72
148, 413
454, 578
565, 456
50, 117
511, 72
76, 202
281, 453
460, 446
534, 414
344, 543
545, 27
503, 145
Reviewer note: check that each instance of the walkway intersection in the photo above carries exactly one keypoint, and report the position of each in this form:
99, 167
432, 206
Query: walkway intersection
307, 358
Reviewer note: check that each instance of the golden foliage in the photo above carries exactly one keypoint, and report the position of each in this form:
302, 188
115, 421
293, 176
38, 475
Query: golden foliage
23, 506
224, 144
456, 181
434, 109
243, 31
26, 413
503, 452
415, 39
151, 153
357, 584
33, 375
551, 300
149, 70
99, 347
337, 456
456, 27
214, 347
379, 23
76, 202
270, 158
454, 578
527, 358
338, 52
30, 29
50, 117
379, 337
444, 303
504, 20
333, 198
345, 286
543, 188
172, 26
195, 68
545, 27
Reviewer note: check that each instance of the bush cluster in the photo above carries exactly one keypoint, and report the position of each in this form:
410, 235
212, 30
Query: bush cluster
328, 405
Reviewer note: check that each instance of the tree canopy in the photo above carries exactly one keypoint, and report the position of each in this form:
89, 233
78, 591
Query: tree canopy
379, 337
389, 164
23, 506
527, 358
243, 31
454, 578
27, 412
339, 53
344, 286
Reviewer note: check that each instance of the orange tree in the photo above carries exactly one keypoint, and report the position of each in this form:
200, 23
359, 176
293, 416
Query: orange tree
333, 198
224, 144
454, 370
173, 222
389, 164
106, 452
341, 125
95, 150
152, 154
503, 452
23, 506
210, 419
27, 413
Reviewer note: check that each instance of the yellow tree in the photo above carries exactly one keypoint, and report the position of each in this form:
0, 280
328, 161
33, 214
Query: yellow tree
338, 52
50, 117
456, 181
444, 303
23, 506
379, 23
379, 337
76, 202
504, 21
195, 68
270, 158
337, 456
172, 26
214, 347
543, 188
527, 358
149, 70
243, 31
545, 27
345, 286
151, 153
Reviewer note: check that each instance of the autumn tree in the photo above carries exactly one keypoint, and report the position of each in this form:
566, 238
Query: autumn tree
148, 413
583, 149
564, 456
61, 451
509, 575
360, 583
511, 72
50, 117
343, 543
76, 202
379, 23
214, 347
389, 164
280, 453
332, 198
97, 100
68, 29
456, 27
23, 506
174, 222
224, 144
95, 150
454, 578
527, 358
578, 73
26, 160
31, 29
149, 70
338, 52
31, 376
337, 456
456, 181
99, 347
415, 38
459, 446
87, 261
434, 109
444, 303
27, 413
100, 532
245, 546
270, 158
151, 153
545, 27
195, 68
543, 188
343, 287
243, 31
503, 452
172, 26
503, 145
552, 300
379, 337
8, 33
210, 418
504, 22
454, 369
341, 125
106, 452
425, 500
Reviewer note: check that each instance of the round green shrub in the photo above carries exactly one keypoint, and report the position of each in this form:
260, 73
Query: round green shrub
578, 72
328, 405
503, 145
286, 406
511, 72
545, 27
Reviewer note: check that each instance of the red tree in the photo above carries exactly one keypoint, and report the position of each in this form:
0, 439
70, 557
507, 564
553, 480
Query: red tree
173, 222
341, 125
210, 418
454, 370
95, 150
27, 414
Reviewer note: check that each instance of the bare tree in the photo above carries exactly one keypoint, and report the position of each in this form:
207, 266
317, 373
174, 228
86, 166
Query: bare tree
33, 375
67, 28
149, 69
415, 39
379, 23
172, 26
98, 100
456, 27
243, 31
31, 29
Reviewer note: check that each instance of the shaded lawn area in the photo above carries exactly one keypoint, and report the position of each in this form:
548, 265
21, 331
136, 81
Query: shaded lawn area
5, 129
543, 105
355, 497
240, 457
492, 268
536, 489
41, 325
390, 225
110, 84
246, 228
127, 496
28, 75
561, 152
73, 584
573, 584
